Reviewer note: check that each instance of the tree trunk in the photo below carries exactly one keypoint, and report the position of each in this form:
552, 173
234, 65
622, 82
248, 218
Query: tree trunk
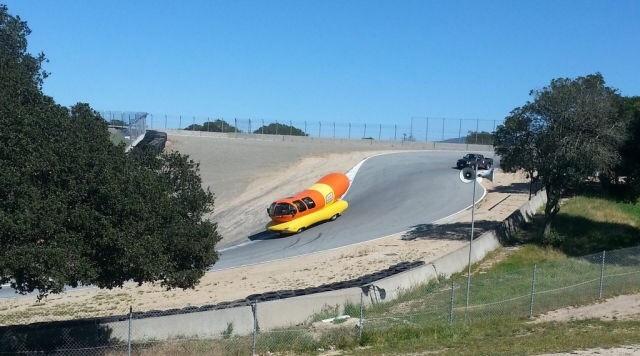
550, 210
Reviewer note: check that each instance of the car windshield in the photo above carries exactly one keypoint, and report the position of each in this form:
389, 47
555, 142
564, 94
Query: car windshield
283, 209
470, 156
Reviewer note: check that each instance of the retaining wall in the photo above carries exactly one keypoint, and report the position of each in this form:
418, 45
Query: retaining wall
210, 322
414, 145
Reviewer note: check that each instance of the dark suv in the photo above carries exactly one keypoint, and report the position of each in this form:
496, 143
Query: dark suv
470, 159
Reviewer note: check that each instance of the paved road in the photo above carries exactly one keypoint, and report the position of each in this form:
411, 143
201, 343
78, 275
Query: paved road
390, 193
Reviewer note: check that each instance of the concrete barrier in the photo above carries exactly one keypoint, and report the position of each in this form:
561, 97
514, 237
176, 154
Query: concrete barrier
375, 144
287, 312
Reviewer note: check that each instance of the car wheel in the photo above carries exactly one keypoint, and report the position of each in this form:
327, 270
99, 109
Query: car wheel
300, 230
334, 217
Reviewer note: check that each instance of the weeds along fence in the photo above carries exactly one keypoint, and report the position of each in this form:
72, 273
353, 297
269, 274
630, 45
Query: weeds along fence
416, 129
500, 293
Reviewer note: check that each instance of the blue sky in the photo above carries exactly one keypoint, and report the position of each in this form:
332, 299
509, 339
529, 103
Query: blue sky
366, 61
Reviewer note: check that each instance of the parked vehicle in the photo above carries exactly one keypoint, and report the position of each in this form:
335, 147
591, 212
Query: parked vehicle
471, 159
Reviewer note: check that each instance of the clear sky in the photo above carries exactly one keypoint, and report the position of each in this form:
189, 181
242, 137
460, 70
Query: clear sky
373, 61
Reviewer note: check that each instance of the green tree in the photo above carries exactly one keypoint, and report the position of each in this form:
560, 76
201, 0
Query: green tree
280, 129
515, 144
573, 130
213, 126
76, 209
628, 170
479, 137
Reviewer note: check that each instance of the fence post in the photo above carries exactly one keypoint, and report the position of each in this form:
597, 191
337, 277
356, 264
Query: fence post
151, 120
411, 128
349, 136
364, 134
460, 132
379, 132
180, 123
361, 314
395, 132
290, 128
250, 132
129, 333
334, 130
235, 125
426, 130
222, 124
165, 122
319, 129
277, 127
602, 275
477, 128
451, 302
305, 126
254, 311
442, 129
533, 290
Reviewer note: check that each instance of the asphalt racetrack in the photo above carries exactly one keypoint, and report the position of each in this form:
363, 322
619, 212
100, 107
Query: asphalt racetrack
390, 193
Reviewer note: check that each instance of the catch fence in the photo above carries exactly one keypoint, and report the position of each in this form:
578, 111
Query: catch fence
132, 125
496, 294
416, 129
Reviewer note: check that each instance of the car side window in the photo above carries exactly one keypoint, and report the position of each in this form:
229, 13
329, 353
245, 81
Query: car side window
300, 205
310, 203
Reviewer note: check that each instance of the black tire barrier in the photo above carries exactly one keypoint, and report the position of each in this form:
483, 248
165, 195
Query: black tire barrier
8, 332
154, 140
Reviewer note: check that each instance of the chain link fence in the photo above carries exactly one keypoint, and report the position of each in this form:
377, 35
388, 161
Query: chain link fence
495, 294
417, 129
130, 125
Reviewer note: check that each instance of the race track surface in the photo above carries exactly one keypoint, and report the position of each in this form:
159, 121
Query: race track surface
390, 193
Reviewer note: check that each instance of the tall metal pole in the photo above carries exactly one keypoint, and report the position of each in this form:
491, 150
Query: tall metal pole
460, 132
473, 212
180, 123
349, 136
334, 130
443, 129
249, 127
277, 127
411, 129
364, 134
262, 127
235, 124
319, 129
290, 128
426, 135
379, 132
477, 128
165, 122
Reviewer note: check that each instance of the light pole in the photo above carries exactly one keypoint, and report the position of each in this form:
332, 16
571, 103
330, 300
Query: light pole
470, 175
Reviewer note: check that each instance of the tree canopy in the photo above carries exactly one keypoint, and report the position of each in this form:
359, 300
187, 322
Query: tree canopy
280, 129
213, 126
569, 132
76, 209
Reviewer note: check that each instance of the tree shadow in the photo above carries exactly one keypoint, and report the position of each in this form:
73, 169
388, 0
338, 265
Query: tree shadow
453, 231
69, 338
581, 236
511, 188
265, 235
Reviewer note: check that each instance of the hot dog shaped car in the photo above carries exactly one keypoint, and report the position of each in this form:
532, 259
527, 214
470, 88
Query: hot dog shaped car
321, 202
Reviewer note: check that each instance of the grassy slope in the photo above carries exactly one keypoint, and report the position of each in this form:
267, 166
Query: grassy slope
418, 321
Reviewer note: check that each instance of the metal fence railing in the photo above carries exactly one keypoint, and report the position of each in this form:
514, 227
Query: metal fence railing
131, 125
420, 129
497, 293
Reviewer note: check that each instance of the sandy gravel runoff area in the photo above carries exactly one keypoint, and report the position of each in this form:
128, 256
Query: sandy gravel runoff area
282, 169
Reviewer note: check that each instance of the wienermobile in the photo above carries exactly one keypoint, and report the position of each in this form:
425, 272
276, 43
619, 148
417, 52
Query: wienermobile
321, 202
